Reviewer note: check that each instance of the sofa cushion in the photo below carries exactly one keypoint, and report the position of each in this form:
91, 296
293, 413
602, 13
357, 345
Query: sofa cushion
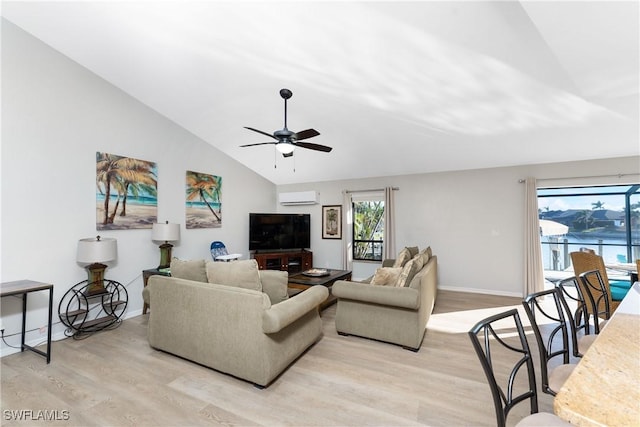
402, 258
386, 276
189, 270
408, 271
275, 284
243, 274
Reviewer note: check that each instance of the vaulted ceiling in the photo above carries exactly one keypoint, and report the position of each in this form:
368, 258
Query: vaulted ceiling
394, 87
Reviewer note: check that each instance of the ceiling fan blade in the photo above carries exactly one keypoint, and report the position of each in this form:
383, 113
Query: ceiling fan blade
316, 147
306, 134
259, 131
259, 143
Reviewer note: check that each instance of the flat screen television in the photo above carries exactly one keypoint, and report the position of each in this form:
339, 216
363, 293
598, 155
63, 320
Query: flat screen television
273, 231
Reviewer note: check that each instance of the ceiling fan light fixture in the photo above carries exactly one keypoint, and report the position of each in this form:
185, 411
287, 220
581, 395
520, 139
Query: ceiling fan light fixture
286, 141
285, 147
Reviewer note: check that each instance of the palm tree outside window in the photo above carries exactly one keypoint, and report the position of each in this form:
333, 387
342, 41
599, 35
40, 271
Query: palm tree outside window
368, 230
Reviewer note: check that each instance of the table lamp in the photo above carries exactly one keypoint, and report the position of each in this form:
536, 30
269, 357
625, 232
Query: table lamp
168, 233
95, 251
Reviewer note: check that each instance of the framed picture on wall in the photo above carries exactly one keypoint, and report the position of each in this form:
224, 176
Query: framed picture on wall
332, 222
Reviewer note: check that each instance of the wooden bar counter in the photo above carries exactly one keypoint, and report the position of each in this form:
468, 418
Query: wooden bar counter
604, 389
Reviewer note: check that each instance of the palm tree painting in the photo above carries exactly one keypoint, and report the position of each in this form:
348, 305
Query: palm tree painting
126, 192
204, 209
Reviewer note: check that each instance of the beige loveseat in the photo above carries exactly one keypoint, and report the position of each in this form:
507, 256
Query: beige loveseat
234, 329
385, 312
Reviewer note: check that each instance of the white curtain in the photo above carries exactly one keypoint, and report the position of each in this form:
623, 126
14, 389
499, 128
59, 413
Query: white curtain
347, 231
533, 270
389, 224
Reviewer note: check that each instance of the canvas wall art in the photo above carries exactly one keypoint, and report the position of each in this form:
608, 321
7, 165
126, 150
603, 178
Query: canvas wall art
126, 192
203, 206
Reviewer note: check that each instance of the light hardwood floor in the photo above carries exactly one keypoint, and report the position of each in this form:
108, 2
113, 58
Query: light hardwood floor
114, 378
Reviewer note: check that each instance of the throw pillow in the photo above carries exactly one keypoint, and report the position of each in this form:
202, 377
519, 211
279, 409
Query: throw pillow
408, 271
428, 251
189, 270
402, 258
242, 274
426, 254
413, 251
386, 276
425, 258
419, 261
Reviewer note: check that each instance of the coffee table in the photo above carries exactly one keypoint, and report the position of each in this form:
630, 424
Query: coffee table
300, 281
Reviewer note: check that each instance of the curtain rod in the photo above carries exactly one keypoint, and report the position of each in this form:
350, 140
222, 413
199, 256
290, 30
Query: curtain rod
620, 175
366, 191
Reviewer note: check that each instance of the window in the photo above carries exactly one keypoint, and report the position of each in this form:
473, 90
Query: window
368, 227
605, 219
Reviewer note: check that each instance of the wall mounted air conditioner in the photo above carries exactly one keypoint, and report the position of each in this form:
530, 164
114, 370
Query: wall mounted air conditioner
298, 198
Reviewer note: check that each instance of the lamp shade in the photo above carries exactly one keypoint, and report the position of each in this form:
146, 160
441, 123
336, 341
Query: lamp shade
165, 232
95, 250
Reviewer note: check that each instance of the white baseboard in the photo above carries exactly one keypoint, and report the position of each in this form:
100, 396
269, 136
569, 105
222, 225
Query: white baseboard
481, 291
6, 351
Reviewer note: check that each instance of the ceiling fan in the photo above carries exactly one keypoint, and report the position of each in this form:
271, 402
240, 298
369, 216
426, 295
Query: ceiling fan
285, 140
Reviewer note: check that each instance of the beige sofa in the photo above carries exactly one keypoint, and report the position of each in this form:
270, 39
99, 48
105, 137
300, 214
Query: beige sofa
389, 313
234, 329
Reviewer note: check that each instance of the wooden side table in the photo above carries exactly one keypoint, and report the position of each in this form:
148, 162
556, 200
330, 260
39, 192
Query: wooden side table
145, 278
23, 288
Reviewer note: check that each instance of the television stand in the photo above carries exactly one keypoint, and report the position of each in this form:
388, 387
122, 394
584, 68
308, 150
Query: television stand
292, 261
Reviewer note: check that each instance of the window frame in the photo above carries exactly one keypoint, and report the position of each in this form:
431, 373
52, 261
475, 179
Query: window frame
627, 191
373, 242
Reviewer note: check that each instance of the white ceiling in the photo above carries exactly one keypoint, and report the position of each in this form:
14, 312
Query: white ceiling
394, 87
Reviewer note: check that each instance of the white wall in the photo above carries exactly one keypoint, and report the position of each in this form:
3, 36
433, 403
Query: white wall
473, 219
55, 116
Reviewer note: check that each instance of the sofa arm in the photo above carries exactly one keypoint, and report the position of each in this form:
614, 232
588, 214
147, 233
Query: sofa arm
384, 295
285, 313
403, 297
